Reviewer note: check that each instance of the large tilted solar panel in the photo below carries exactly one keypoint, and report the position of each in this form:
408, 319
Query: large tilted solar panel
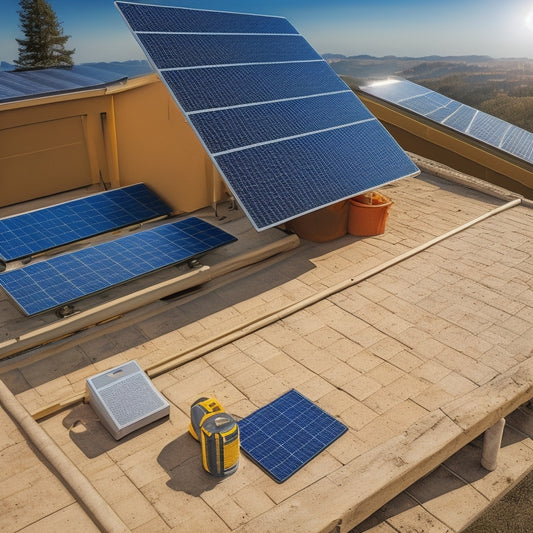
66, 278
459, 117
43, 229
286, 434
286, 133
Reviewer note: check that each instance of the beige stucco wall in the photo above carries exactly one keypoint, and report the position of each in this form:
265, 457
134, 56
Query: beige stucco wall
156, 145
119, 136
49, 148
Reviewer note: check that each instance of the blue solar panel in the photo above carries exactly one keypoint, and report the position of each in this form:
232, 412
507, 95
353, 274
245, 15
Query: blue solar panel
459, 117
202, 89
396, 90
442, 113
247, 83
424, 104
63, 279
36, 231
185, 50
286, 434
518, 142
150, 18
226, 129
45, 82
330, 163
489, 129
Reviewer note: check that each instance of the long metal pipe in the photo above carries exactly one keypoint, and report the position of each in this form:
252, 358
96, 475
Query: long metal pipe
248, 327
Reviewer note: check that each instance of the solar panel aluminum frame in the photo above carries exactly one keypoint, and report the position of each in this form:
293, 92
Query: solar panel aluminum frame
138, 199
240, 189
284, 435
501, 138
67, 278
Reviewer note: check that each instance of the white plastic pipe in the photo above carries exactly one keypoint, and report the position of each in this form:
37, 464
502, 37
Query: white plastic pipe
492, 440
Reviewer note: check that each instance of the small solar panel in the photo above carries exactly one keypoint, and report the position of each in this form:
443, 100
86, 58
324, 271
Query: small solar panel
267, 108
66, 278
37, 231
459, 117
286, 434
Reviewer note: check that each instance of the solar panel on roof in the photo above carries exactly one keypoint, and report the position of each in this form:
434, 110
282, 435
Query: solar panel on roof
65, 278
459, 117
286, 434
15, 85
207, 50
268, 110
43, 229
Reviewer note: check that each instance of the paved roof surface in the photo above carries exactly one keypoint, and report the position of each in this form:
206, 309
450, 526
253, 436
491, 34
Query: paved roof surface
418, 350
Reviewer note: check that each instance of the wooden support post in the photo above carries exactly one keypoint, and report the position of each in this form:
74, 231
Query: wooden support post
492, 440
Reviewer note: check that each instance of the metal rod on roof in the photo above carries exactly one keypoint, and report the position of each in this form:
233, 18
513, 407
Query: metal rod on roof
247, 328
241, 330
125, 304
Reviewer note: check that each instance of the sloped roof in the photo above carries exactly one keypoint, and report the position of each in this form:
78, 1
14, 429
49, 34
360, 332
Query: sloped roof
21, 85
455, 115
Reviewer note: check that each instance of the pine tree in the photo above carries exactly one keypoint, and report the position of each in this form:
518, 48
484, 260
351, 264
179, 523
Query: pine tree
44, 43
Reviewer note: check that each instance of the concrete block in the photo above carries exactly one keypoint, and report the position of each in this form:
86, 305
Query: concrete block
444, 495
385, 373
362, 387
70, 518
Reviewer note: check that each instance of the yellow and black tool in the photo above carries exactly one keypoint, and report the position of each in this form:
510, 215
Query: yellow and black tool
199, 410
218, 434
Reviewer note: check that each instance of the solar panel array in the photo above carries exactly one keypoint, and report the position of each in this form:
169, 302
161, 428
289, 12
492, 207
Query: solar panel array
286, 434
65, 278
43, 229
286, 133
459, 117
46, 82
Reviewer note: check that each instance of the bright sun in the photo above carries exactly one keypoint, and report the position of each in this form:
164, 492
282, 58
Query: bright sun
528, 21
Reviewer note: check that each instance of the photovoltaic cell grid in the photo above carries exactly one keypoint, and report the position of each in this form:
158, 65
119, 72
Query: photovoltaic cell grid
268, 110
37, 231
286, 434
46, 82
65, 278
459, 117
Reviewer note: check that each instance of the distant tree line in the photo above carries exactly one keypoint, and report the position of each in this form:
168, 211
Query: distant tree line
500, 87
517, 110
509, 98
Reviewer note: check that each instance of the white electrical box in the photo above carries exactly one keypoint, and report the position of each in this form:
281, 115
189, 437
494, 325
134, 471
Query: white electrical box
125, 399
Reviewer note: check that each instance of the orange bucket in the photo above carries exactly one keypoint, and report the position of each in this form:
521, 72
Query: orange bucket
323, 225
368, 214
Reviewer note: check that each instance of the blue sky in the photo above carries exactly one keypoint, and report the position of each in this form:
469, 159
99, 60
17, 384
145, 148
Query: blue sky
351, 27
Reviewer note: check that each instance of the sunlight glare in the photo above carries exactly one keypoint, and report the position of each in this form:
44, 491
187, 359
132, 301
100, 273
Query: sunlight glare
528, 21
388, 81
